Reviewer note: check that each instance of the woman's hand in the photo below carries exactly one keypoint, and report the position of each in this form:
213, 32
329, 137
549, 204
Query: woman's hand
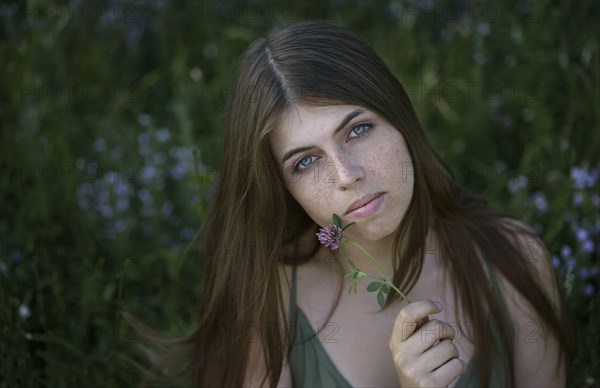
424, 356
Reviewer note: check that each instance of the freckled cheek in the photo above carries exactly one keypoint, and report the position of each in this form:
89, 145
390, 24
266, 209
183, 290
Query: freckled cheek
384, 166
393, 163
314, 199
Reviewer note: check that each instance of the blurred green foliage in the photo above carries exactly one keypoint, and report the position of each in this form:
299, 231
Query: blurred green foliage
110, 138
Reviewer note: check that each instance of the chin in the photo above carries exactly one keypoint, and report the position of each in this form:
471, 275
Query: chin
375, 231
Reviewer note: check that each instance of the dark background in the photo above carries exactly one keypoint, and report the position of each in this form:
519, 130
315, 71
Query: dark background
110, 137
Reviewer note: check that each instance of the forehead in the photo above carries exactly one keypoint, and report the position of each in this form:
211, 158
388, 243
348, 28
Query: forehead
303, 122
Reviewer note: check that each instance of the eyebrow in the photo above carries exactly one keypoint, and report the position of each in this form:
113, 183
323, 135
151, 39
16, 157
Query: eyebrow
341, 126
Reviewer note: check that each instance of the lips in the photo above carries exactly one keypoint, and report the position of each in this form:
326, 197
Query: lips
366, 204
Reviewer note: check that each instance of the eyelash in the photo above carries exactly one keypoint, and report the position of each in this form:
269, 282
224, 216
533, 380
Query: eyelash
297, 168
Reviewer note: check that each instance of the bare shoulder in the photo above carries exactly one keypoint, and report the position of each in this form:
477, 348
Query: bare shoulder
536, 349
533, 252
537, 259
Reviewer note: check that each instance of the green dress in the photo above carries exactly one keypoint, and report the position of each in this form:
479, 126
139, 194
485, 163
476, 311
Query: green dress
311, 366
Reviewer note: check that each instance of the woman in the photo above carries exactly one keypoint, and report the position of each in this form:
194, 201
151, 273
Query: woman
318, 125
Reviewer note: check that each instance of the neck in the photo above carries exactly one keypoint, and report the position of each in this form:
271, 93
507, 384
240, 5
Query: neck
381, 252
379, 263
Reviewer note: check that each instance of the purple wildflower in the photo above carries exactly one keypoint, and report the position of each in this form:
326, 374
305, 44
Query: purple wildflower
178, 171
145, 196
517, 183
565, 251
588, 289
106, 210
330, 236
148, 173
162, 135
587, 246
539, 200
583, 178
577, 199
581, 234
583, 273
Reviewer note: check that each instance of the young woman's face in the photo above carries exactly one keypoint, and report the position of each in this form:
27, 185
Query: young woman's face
346, 160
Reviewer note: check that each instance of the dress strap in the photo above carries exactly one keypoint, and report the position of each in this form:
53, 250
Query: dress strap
495, 284
502, 366
293, 290
499, 296
293, 312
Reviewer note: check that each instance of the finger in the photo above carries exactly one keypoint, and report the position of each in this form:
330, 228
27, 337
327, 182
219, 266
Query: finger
422, 321
452, 369
431, 333
406, 320
440, 354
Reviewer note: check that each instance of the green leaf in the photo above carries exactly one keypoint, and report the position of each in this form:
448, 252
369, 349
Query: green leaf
374, 286
346, 227
380, 298
349, 275
385, 289
337, 221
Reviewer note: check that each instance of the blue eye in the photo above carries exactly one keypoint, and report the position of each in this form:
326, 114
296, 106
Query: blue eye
304, 163
359, 130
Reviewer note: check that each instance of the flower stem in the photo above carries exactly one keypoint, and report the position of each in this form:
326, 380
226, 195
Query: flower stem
400, 293
369, 256
385, 276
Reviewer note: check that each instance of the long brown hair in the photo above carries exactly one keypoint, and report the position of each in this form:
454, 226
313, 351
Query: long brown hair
253, 219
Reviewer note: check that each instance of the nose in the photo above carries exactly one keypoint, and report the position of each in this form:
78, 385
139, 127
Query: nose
348, 172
